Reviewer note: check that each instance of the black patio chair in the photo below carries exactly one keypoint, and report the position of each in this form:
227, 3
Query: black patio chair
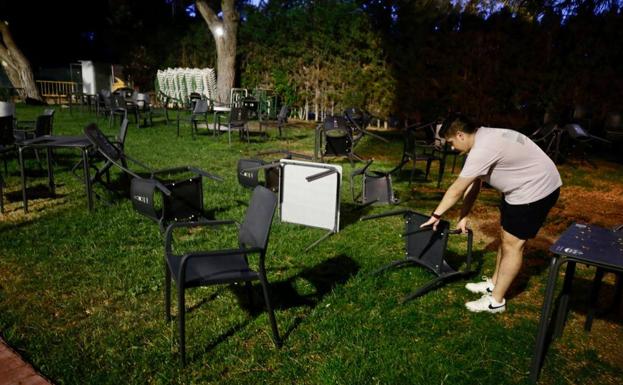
334, 137
203, 268
376, 186
248, 170
280, 120
427, 248
581, 140
548, 137
413, 151
198, 114
238, 120
182, 187
359, 121
30, 129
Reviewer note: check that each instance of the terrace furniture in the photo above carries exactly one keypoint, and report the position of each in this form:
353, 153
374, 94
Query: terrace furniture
238, 120
359, 120
334, 137
376, 186
182, 187
48, 143
143, 107
280, 120
199, 113
427, 248
433, 148
248, 169
581, 243
215, 267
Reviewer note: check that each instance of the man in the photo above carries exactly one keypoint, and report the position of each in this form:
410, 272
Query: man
530, 185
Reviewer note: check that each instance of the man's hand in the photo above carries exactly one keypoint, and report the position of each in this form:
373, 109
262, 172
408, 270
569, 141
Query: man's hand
431, 221
462, 225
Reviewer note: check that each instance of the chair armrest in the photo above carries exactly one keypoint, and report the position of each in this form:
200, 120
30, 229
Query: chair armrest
205, 173
168, 234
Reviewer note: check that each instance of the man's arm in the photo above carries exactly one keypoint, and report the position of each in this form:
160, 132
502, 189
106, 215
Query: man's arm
468, 202
454, 193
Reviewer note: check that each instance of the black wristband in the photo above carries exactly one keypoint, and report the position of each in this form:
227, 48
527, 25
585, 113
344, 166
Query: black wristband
436, 216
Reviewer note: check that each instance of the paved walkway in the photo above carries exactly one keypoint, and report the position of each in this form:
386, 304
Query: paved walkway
15, 371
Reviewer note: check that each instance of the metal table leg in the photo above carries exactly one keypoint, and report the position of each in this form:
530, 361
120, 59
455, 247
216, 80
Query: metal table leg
539, 349
563, 305
51, 184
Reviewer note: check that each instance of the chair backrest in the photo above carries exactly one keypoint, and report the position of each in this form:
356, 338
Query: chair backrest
358, 117
255, 228
201, 107
43, 125
118, 101
6, 131
238, 115
248, 178
123, 131
283, 114
143, 101
576, 132
101, 142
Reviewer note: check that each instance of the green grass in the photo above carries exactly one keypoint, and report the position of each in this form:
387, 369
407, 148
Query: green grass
81, 293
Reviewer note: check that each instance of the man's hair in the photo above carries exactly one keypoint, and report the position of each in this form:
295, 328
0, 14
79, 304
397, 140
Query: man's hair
456, 122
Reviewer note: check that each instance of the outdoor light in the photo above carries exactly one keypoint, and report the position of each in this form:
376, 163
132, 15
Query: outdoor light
4, 64
219, 31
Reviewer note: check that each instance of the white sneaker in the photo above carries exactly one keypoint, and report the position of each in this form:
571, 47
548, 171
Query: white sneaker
484, 287
486, 303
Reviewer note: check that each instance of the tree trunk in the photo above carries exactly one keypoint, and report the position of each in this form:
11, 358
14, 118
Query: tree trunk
16, 65
224, 33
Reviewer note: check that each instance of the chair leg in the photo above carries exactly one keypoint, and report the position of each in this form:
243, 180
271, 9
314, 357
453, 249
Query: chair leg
599, 275
181, 316
428, 164
412, 173
167, 292
442, 169
249, 289
271, 313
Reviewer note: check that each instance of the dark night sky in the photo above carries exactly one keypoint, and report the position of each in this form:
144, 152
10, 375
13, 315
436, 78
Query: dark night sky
57, 32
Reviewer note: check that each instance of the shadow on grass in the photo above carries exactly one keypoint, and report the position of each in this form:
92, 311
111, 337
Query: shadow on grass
324, 277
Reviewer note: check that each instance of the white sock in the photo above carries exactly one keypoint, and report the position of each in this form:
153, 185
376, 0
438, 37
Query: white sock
496, 303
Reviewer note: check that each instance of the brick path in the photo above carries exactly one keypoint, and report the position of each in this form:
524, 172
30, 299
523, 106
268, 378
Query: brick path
15, 371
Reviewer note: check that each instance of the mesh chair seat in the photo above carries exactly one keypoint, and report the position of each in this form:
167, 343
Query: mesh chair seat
213, 269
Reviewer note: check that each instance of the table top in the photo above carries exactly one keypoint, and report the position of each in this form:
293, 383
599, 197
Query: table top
56, 141
592, 245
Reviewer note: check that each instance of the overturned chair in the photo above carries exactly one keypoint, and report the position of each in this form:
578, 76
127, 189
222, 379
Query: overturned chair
427, 248
376, 186
180, 188
248, 170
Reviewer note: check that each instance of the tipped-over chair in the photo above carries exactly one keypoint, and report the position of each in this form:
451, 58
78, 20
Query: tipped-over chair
427, 248
181, 187
215, 267
376, 186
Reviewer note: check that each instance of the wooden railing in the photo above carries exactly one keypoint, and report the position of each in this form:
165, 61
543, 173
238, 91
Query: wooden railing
56, 90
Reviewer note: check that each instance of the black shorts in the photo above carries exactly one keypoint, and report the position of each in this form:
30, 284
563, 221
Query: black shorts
524, 221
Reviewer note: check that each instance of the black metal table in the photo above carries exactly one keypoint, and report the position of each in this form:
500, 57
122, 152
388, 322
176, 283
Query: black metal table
587, 244
50, 142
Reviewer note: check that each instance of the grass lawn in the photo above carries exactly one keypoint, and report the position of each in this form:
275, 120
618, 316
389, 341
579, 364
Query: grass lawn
81, 293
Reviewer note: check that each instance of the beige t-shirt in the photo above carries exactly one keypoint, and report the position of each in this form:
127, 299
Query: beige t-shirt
513, 164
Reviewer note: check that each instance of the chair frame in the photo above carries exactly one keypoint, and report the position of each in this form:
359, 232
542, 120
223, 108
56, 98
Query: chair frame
421, 256
244, 249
